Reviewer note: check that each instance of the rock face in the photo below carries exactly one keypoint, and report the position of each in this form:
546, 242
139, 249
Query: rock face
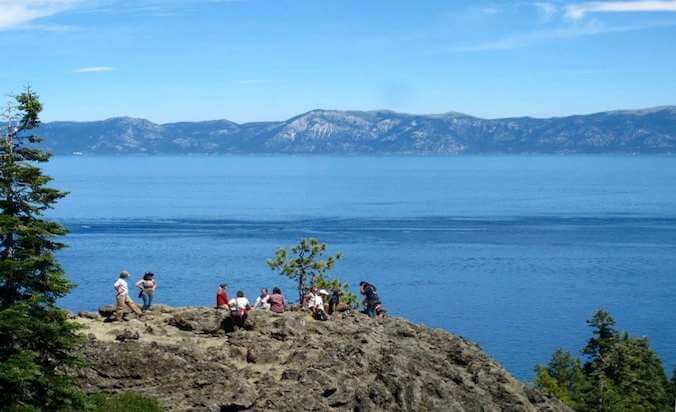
290, 362
375, 132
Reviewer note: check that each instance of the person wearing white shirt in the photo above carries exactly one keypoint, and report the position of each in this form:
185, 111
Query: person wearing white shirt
239, 307
262, 300
122, 297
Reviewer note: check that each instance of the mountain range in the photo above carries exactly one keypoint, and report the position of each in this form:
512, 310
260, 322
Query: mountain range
647, 131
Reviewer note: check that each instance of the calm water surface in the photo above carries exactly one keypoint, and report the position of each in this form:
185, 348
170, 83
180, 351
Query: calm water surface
514, 253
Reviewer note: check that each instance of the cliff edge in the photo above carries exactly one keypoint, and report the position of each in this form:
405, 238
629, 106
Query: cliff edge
192, 359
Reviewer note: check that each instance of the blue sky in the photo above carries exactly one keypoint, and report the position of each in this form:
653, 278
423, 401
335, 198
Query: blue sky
249, 60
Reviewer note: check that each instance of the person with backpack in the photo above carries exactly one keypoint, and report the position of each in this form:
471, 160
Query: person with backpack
122, 298
147, 287
239, 309
371, 299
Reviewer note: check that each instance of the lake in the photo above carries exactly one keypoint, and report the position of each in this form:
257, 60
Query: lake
512, 252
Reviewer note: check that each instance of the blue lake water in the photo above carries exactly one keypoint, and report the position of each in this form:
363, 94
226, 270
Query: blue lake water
514, 252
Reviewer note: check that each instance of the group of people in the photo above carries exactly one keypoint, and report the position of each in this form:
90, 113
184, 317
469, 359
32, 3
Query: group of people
319, 302
240, 306
146, 287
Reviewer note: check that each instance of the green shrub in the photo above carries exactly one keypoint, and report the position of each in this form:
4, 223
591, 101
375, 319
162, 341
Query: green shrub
347, 296
124, 402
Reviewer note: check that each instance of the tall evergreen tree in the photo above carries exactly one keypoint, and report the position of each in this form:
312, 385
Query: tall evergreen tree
621, 373
36, 337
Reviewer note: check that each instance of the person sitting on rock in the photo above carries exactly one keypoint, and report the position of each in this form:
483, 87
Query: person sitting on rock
239, 307
222, 296
309, 299
276, 301
318, 308
262, 301
122, 298
371, 300
147, 285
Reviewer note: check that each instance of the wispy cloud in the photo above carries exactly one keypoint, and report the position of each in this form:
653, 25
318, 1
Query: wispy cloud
546, 10
15, 13
94, 69
578, 11
591, 28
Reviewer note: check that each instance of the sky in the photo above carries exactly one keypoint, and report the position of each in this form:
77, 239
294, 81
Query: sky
256, 60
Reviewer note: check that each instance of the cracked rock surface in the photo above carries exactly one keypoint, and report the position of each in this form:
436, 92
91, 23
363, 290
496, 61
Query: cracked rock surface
192, 359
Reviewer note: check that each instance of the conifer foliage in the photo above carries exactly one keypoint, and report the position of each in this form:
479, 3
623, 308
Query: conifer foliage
620, 373
303, 263
36, 337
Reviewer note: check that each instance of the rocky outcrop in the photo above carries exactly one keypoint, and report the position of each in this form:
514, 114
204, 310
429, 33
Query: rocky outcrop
195, 359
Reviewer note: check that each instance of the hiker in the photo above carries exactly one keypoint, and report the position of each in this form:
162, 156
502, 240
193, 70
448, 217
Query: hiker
309, 299
276, 301
262, 300
318, 308
334, 300
147, 287
239, 307
222, 296
122, 297
371, 300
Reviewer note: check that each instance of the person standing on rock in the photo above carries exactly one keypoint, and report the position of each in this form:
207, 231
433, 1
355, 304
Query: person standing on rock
147, 285
122, 297
371, 299
222, 296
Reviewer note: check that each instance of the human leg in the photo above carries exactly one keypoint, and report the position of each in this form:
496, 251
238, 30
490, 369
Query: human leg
133, 306
120, 307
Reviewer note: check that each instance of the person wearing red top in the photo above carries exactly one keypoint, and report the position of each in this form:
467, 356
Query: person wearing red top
222, 296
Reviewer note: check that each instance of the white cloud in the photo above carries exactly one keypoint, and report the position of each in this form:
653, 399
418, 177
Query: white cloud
14, 13
590, 28
578, 11
95, 69
546, 10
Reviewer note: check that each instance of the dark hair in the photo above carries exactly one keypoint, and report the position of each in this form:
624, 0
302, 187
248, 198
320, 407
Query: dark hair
148, 275
362, 283
223, 285
240, 294
276, 290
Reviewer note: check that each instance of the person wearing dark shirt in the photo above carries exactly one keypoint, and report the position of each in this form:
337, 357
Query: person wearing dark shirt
334, 300
371, 299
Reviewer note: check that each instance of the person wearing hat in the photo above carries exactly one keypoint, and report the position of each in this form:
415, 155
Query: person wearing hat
122, 297
222, 296
318, 305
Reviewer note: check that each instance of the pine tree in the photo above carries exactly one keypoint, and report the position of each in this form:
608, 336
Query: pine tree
563, 377
303, 263
621, 373
36, 337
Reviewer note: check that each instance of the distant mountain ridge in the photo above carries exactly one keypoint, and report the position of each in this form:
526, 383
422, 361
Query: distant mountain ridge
647, 131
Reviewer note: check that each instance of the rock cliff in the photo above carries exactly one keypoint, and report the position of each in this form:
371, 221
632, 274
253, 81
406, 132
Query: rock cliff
193, 359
